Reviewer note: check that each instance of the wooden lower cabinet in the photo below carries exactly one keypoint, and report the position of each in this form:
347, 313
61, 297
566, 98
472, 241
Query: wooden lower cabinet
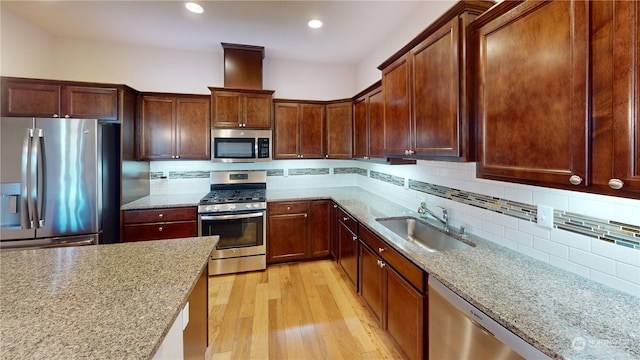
298, 230
397, 304
158, 224
195, 335
348, 246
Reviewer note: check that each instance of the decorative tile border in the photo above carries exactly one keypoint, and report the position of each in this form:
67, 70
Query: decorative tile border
275, 172
605, 230
309, 171
350, 170
391, 179
189, 174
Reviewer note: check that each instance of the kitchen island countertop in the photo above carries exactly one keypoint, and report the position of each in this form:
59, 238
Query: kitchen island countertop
564, 315
113, 301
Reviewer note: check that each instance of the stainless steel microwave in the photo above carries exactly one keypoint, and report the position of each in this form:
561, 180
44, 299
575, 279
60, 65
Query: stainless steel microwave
240, 145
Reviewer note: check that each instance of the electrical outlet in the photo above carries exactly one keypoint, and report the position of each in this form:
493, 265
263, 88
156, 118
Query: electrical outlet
545, 216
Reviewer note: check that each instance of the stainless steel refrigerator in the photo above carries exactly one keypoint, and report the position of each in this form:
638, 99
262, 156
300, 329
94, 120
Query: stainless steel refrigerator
57, 178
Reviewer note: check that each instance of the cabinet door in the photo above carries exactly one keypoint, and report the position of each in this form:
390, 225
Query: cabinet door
371, 281
286, 131
626, 122
397, 111
311, 135
89, 102
348, 253
376, 124
339, 130
360, 128
334, 231
157, 128
27, 99
226, 109
319, 228
404, 315
193, 135
257, 111
532, 90
288, 237
435, 93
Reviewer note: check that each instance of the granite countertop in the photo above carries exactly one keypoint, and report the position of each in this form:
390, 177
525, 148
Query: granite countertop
113, 301
162, 201
560, 313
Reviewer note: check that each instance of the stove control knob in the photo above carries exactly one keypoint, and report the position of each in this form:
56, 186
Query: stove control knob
248, 206
256, 205
208, 208
216, 208
232, 207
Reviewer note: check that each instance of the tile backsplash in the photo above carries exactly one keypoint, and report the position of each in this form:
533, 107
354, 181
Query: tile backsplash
594, 236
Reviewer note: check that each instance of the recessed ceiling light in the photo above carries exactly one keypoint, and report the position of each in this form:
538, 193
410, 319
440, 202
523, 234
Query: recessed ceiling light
194, 8
315, 24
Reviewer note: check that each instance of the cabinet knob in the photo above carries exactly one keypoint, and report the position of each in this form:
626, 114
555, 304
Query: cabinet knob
302, 156
305, 215
335, 206
56, 115
380, 250
161, 215
288, 208
326, 156
67, 116
354, 238
345, 218
575, 180
406, 152
160, 228
177, 156
616, 184
381, 263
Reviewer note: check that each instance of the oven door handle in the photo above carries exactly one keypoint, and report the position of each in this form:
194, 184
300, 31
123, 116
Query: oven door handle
232, 216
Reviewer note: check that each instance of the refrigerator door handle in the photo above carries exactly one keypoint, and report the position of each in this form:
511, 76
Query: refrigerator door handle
42, 180
37, 175
26, 215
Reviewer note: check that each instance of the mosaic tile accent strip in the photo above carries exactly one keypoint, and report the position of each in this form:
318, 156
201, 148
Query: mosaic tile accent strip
392, 179
275, 172
309, 171
189, 174
610, 231
155, 175
350, 170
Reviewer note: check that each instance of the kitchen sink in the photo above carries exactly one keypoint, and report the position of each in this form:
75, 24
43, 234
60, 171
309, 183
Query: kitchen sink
418, 231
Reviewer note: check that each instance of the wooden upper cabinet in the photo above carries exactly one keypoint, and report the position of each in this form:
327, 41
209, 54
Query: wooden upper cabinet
238, 108
532, 107
425, 90
299, 130
368, 123
339, 126
174, 127
437, 114
626, 94
47, 98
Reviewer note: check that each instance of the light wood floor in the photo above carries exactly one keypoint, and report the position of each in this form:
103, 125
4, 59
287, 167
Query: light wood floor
292, 311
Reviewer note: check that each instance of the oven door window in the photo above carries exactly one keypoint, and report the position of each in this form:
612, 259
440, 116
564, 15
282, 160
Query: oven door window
234, 148
236, 230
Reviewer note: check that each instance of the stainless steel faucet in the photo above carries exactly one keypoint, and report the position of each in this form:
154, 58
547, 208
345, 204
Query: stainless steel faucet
445, 215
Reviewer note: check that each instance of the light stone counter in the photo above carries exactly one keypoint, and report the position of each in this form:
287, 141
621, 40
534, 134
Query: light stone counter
96, 302
562, 314
162, 201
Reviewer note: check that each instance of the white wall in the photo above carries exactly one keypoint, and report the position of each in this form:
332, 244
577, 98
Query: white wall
25, 49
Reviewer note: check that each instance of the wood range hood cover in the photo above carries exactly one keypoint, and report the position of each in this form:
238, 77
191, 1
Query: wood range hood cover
243, 66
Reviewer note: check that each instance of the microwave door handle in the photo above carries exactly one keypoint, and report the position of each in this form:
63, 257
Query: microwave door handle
233, 216
26, 215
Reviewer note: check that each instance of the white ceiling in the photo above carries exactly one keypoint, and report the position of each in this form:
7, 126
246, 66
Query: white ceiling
351, 28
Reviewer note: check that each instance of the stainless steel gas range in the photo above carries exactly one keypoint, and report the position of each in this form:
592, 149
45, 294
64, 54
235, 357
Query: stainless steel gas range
236, 210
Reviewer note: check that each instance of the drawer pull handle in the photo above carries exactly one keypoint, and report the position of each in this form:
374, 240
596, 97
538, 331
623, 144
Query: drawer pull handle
381, 264
380, 250
354, 238
345, 218
161, 215
160, 228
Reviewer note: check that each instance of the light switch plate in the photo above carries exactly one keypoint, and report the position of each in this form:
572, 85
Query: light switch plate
545, 216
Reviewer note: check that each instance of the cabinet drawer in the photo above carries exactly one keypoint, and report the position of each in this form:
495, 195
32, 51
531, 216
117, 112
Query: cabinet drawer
282, 208
159, 215
406, 268
158, 231
348, 220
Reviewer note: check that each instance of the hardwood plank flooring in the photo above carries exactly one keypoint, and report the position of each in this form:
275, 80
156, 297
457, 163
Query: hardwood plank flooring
292, 311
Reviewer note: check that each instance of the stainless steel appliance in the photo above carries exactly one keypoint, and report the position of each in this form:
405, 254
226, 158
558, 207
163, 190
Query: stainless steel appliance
236, 210
240, 145
53, 178
457, 330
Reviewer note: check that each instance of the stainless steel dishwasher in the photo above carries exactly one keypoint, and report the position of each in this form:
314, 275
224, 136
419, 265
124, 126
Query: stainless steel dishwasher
457, 330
